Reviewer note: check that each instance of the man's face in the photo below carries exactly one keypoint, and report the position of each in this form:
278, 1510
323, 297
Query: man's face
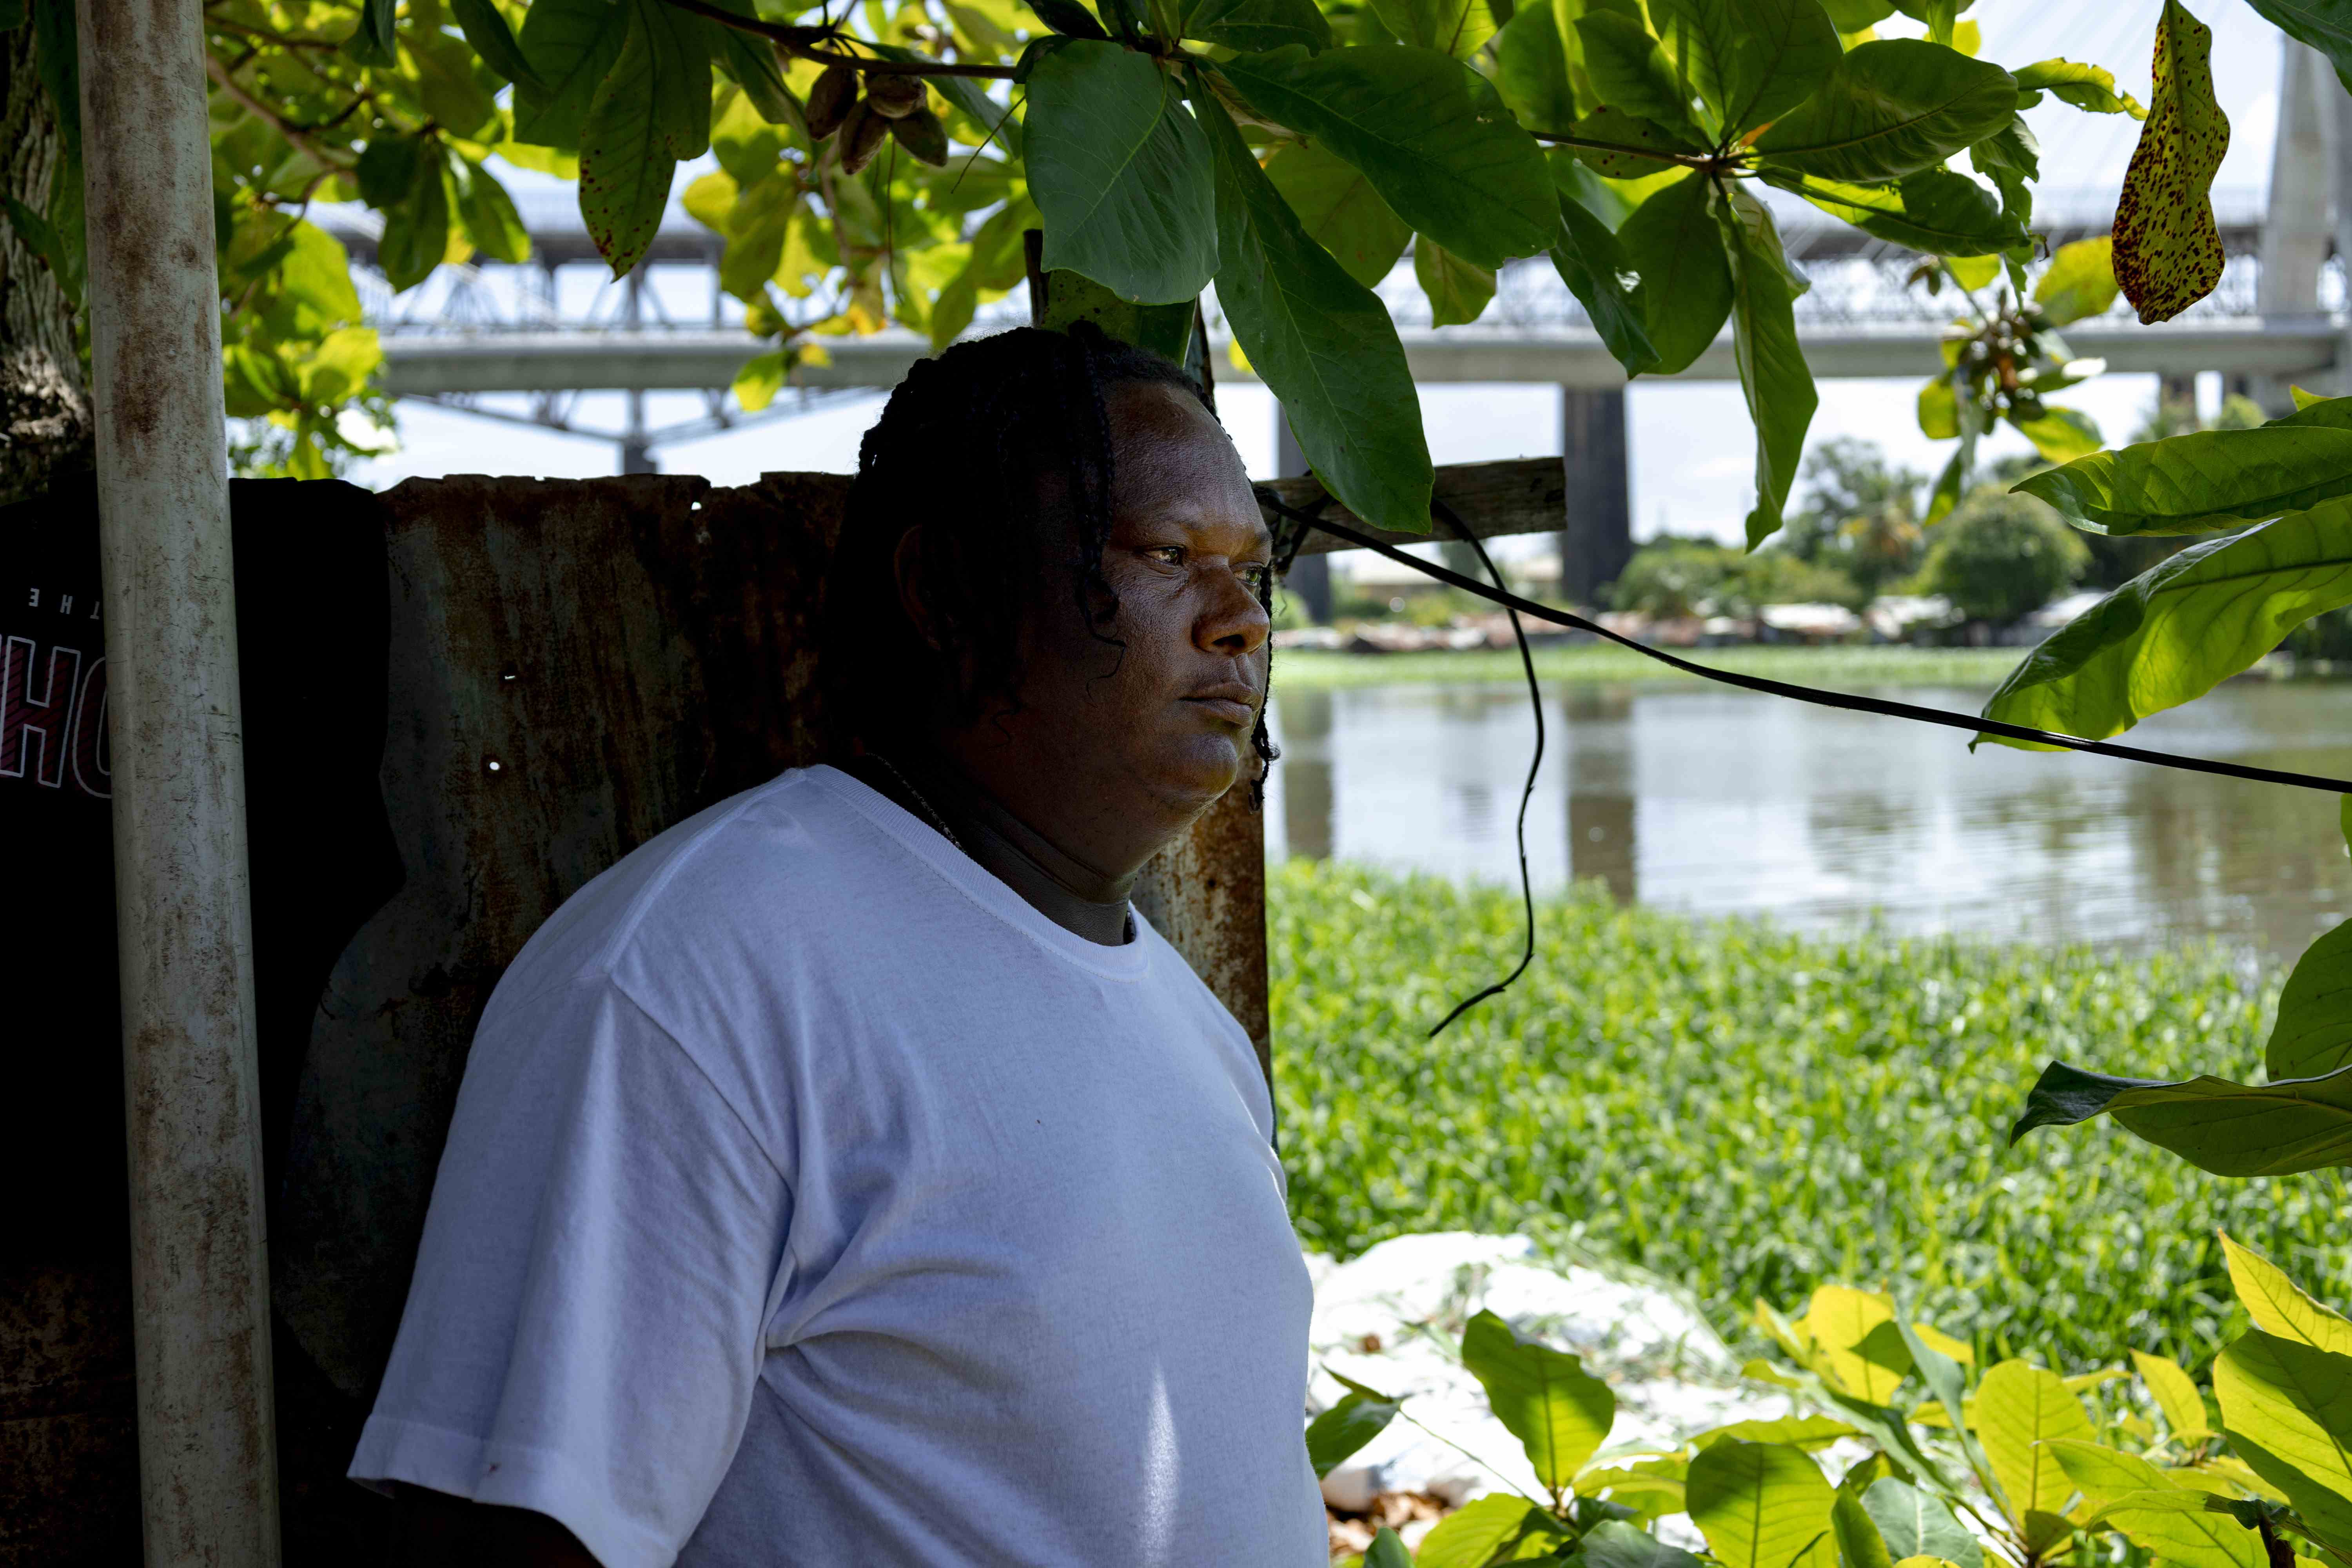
1168, 716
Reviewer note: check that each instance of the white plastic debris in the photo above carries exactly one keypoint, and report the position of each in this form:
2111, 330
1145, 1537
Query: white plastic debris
1392, 1320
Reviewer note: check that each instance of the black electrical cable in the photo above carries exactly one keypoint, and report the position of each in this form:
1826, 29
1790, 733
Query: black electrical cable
1975, 723
1535, 699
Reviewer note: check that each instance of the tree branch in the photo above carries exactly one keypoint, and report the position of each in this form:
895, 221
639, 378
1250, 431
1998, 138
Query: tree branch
223, 23
285, 128
801, 43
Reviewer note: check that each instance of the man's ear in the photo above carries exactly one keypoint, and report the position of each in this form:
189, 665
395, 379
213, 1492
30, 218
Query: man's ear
906, 572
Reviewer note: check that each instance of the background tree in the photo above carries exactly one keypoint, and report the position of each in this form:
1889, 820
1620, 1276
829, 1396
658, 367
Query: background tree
1860, 514
1999, 556
45, 428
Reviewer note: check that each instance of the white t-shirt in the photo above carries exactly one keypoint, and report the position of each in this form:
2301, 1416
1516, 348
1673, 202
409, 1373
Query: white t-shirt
813, 1200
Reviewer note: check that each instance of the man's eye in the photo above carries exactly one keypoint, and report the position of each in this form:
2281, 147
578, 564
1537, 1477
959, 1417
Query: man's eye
1257, 574
1172, 554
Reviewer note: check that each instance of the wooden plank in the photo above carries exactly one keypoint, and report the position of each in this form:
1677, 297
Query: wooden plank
1517, 495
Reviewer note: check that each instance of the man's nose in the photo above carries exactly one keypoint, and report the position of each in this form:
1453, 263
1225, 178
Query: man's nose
1234, 624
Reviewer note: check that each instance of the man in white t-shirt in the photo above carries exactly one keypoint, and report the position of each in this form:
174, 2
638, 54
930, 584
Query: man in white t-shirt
848, 1176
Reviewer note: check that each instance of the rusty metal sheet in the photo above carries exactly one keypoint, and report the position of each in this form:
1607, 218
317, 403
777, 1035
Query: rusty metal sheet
574, 667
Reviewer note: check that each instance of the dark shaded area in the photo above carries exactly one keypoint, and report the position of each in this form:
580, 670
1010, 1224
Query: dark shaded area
502, 686
310, 588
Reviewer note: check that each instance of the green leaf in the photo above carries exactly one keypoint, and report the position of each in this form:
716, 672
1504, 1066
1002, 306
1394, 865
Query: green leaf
1859, 1543
1387, 1550
2060, 435
2168, 249
1634, 148
2228, 1128
315, 293
1323, 342
1121, 174
571, 46
1936, 211
2085, 87
1458, 290
1811, 1432
1594, 266
1346, 1427
2103, 1474
2155, 1509
450, 84
1628, 69
38, 236
1911, 1523
1890, 108
1068, 18
371, 42
490, 215
387, 168
1072, 297
1533, 69
1454, 27
2181, 627
762, 377
2314, 1032
2176, 1394
651, 111
753, 64
1255, 26
1751, 60
1337, 206
1559, 1413
2279, 1307
2018, 1410
1938, 410
416, 231
1759, 1504
2324, 25
1676, 249
56, 62
1471, 1536
1940, 1371
2288, 1409
1614, 1543
2011, 159
488, 32
1772, 371
1854, 15
1431, 134
2080, 283
2204, 480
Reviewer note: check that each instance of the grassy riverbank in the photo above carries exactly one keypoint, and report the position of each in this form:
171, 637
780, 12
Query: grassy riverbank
1751, 1112
1841, 668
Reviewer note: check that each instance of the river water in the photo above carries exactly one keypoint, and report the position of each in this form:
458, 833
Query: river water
1717, 802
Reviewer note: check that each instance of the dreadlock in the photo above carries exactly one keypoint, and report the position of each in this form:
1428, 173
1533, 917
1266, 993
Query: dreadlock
983, 447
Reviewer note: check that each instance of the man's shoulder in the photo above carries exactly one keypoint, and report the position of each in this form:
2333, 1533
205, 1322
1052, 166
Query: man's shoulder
783, 851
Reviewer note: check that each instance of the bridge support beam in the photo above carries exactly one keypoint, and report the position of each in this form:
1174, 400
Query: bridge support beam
1596, 536
2308, 209
1310, 580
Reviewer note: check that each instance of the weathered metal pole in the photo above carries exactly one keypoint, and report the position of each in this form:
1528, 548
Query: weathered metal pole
200, 1296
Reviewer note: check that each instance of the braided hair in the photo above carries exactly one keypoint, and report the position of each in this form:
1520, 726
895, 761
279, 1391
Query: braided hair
989, 447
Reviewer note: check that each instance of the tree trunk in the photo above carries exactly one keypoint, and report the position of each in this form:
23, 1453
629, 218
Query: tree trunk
45, 422
69, 1450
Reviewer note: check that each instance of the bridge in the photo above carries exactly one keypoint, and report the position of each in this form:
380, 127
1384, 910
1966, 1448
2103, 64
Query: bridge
522, 342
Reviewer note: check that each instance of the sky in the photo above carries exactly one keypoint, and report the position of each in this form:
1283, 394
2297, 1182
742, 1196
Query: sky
1691, 448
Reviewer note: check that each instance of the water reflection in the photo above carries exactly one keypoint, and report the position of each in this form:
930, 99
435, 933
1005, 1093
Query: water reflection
1600, 805
1720, 802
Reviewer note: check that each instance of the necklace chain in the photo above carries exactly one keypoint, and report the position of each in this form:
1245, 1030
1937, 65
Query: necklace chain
929, 809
